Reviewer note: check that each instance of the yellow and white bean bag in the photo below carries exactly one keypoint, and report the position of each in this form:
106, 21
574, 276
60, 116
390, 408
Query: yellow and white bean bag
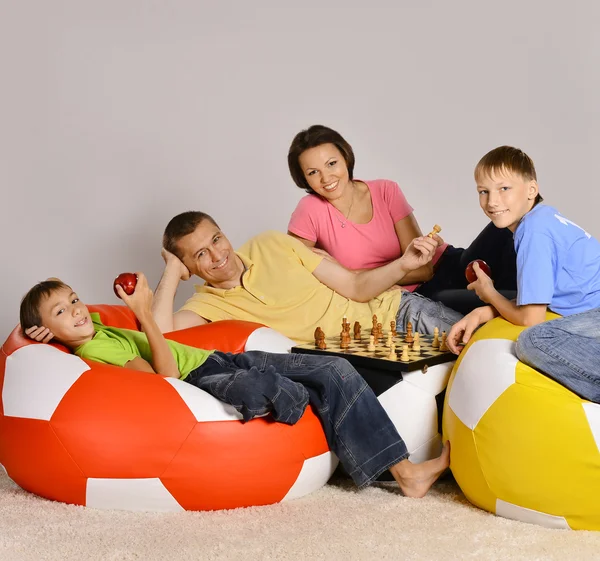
522, 446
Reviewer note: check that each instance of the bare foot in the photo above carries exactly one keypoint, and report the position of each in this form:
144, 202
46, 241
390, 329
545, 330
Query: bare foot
416, 479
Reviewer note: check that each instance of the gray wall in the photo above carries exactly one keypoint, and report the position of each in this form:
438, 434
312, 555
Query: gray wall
116, 115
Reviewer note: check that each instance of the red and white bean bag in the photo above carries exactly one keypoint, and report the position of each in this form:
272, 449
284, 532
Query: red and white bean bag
103, 436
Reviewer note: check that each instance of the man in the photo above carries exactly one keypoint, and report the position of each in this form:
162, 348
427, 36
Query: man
275, 280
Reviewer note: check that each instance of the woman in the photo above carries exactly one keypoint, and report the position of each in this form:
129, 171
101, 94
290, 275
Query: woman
366, 224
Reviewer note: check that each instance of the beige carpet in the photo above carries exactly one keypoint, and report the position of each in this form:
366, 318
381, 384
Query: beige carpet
334, 523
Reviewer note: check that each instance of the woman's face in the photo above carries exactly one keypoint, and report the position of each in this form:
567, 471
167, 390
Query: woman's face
325, 171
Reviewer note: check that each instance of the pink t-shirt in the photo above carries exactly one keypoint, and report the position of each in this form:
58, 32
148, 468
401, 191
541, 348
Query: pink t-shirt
356, 246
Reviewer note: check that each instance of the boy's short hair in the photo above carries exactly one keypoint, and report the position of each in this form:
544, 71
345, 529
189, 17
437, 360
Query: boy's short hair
510, 159
310, 138
29, 312
182, 225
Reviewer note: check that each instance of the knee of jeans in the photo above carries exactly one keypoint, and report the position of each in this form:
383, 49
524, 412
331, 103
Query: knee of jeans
343, 368
526, 347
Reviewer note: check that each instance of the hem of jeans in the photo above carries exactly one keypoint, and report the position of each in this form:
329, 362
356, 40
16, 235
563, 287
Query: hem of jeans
379, 471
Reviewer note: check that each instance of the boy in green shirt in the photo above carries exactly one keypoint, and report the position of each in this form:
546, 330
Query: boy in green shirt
356, 426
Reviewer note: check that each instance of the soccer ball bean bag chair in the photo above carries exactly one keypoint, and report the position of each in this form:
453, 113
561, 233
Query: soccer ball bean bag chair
103, 436
522, 446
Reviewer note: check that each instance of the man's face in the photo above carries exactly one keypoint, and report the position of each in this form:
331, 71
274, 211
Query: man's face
506, 197
207, 253
67, 318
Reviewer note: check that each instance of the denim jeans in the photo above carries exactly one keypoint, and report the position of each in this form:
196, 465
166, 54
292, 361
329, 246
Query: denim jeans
357, 428
566, 350
424, 314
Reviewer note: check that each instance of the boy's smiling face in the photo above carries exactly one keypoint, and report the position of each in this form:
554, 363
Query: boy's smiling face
67, 318
506, 197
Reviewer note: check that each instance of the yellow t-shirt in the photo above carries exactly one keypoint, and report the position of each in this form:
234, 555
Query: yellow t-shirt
279, 290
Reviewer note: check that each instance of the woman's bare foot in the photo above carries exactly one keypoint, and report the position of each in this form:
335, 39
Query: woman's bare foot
416, 479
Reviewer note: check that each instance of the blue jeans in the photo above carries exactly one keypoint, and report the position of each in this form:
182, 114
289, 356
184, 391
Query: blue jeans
566, 350
357, 428
424, 314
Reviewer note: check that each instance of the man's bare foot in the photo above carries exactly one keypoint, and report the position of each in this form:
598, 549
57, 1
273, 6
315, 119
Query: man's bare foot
416, 479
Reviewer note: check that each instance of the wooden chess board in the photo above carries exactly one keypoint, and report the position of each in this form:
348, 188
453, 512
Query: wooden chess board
358, 355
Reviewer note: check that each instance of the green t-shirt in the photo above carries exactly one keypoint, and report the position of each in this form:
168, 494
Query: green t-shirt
113, 345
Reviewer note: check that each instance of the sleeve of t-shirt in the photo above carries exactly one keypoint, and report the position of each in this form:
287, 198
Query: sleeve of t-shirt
536, 269
309, 259
395, 201
302, 222
107, 351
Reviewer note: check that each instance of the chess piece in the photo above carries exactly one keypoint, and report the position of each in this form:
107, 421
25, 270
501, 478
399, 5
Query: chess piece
345, 339
321, 342
393, 328
436, 341
409, 333
319, 334
379, 331
390, 340
417, 342
392, 354
357, 331
443, 343
371, 346
404, 356
436, 230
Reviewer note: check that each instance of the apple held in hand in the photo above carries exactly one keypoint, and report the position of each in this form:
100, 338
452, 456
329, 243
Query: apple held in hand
470, 273
127, 282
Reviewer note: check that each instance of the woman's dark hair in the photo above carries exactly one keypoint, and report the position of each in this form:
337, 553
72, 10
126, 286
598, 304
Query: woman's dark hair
309, 138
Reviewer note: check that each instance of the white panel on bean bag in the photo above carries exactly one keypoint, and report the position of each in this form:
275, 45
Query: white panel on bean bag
413, 412
514, 512
485, 372
269, 340
314, 474
434, 381
148, 494
203, 406
36, 379
592, 412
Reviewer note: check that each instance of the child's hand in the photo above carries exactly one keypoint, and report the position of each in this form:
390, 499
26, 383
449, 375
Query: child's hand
173, 262
40, 334
461, 332
140, 302
483, 286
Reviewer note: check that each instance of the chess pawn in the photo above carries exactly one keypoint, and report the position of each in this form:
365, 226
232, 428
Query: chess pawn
356, 331
417, 342
390, 340
436, 341
443, 342
392, 354
371, 346
379, 331
404, 357
409, 333
393, 328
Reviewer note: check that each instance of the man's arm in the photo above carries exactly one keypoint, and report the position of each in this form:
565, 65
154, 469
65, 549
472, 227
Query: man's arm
162, 306
365, 285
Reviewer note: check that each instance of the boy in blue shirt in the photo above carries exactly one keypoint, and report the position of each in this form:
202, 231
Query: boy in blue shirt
558, 268
357, 428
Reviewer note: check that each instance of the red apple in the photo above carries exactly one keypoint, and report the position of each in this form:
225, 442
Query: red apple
127, 282
470, 273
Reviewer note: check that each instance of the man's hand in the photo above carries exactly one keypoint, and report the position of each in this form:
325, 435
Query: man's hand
172, 262
140, 302
462, 330
483, 286
40, 334
419, 252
